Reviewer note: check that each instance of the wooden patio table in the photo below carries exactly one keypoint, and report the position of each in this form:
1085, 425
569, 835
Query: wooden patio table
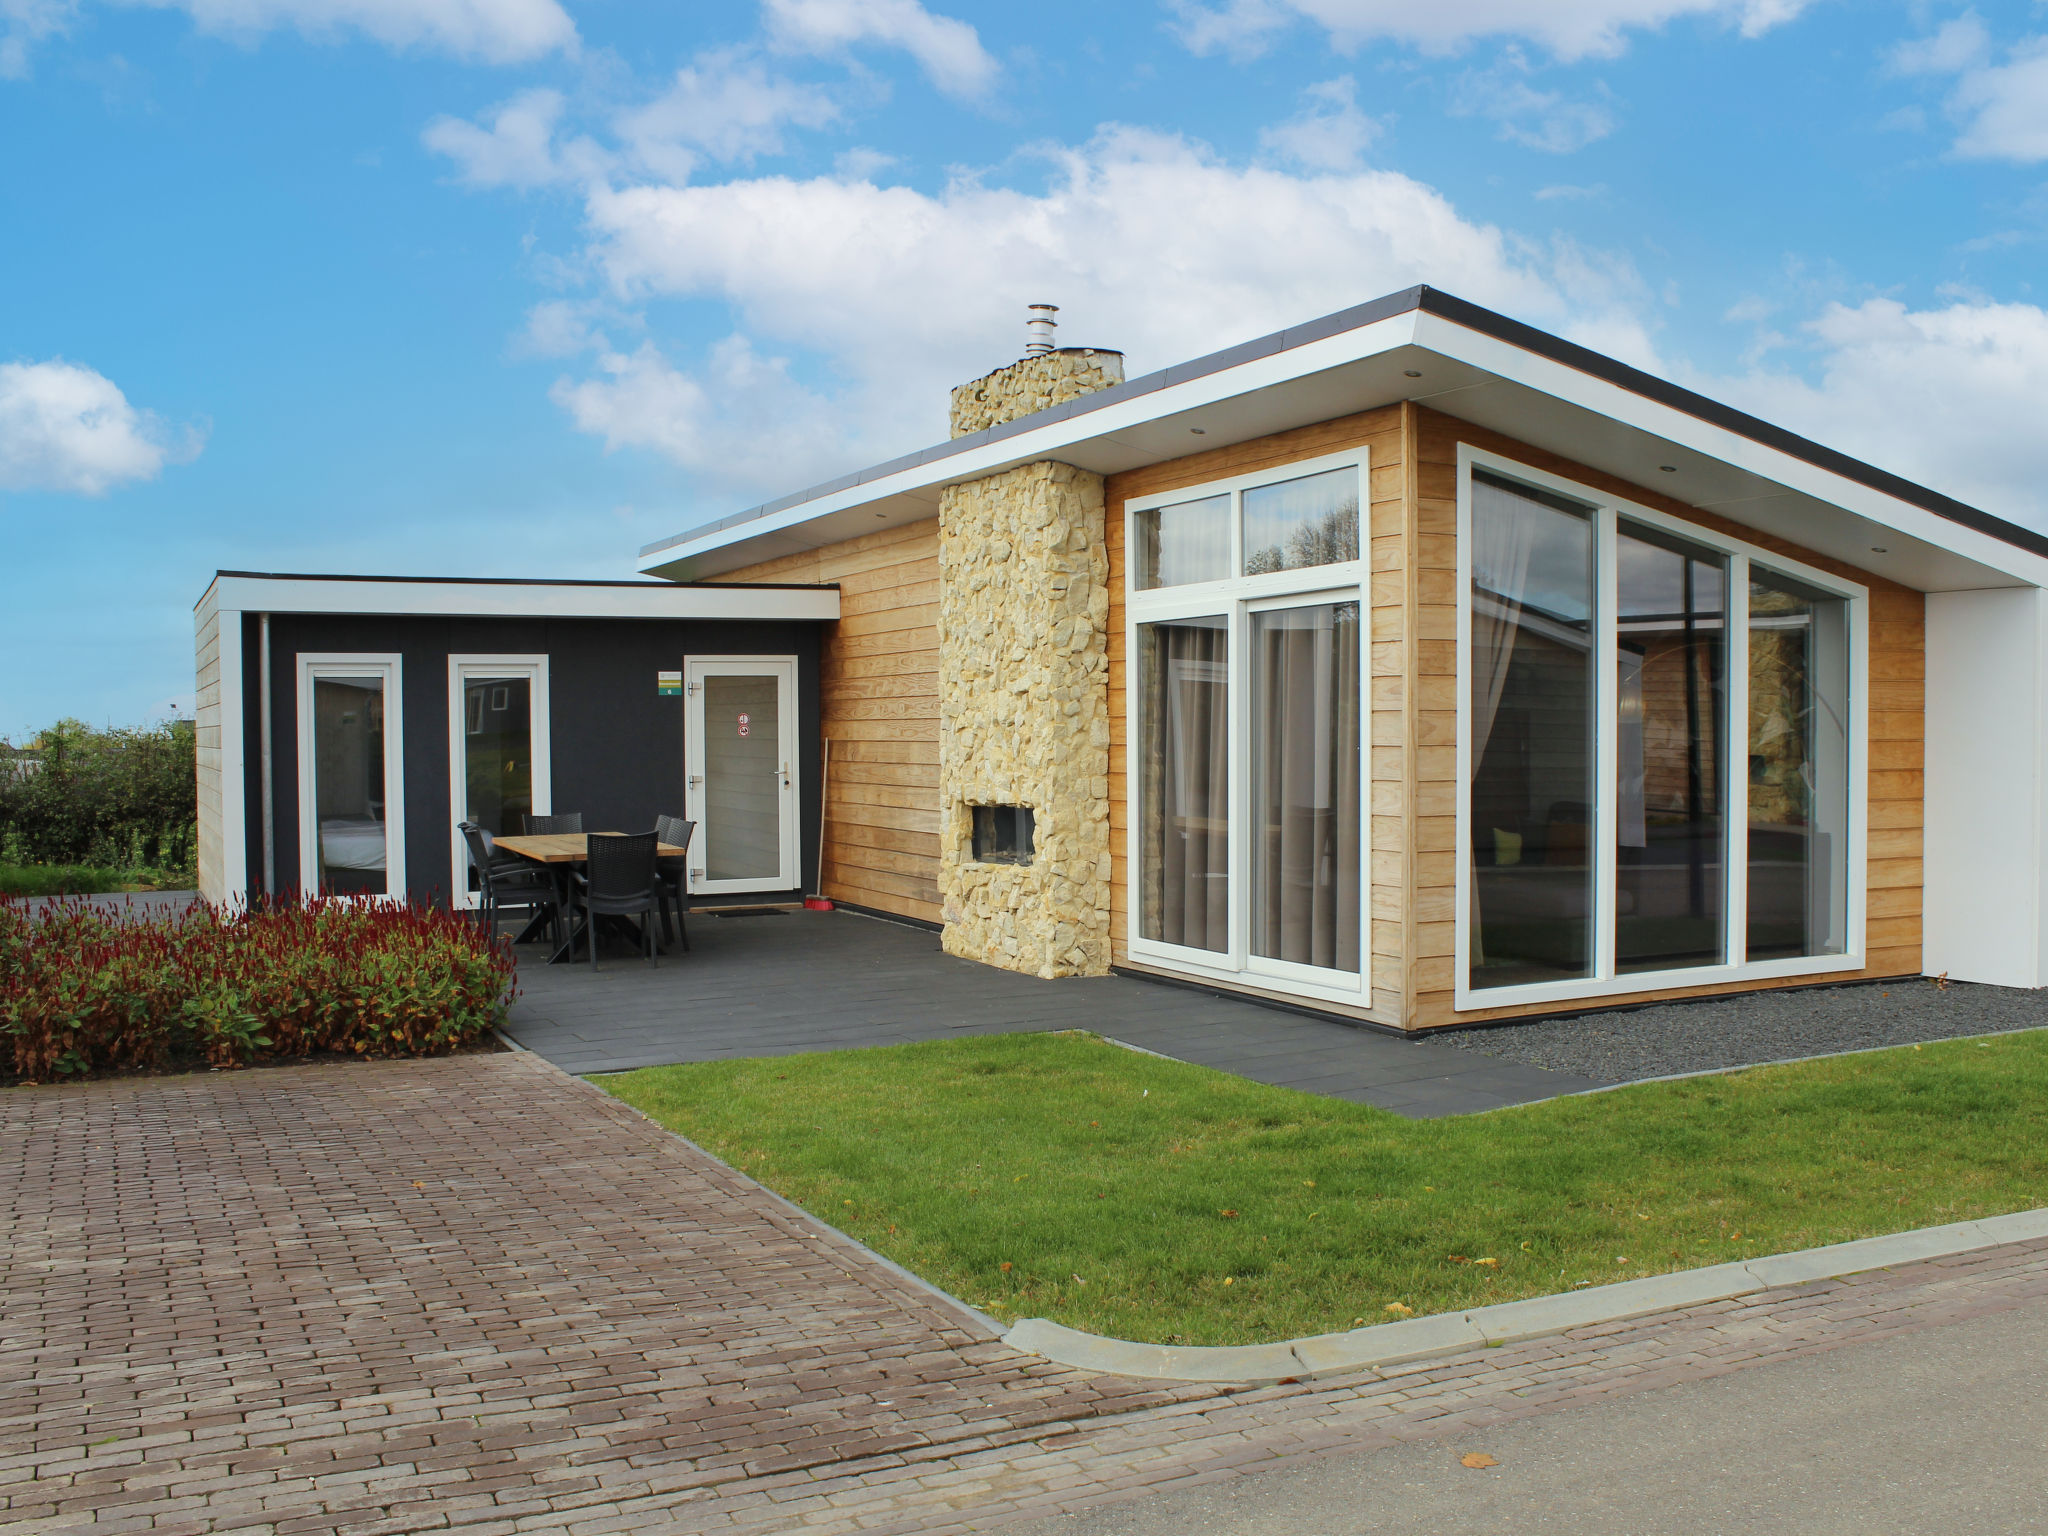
559, 851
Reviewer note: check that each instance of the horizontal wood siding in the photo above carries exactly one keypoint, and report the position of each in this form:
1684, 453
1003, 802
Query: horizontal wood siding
879, 713
206, 730
1898, 670
1381, 432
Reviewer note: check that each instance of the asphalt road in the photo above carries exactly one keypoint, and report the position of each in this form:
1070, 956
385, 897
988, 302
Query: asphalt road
1944, 1430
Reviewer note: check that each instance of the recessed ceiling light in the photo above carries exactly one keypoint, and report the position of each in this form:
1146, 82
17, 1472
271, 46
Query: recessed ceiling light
1879, 549
1199, 431
1413, 373
1669, 469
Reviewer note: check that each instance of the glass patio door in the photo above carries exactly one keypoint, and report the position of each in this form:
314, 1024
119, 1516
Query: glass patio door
497, 752
740, 745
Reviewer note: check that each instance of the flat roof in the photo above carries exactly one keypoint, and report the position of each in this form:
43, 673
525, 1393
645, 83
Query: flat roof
1509, 376
506, 597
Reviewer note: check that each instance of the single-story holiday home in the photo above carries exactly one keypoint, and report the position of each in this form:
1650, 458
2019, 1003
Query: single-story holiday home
1411, 665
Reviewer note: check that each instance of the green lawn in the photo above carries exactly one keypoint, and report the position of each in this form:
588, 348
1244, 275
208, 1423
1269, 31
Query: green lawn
1059, 1176
86, 879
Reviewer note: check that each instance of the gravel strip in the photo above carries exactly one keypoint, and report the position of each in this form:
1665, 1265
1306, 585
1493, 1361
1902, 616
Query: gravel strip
1755, 1027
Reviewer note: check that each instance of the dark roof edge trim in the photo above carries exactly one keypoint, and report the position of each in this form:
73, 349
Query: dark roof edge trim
1488, 322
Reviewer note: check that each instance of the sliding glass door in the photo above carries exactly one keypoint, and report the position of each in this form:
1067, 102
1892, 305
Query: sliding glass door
1659, 733
1247, 763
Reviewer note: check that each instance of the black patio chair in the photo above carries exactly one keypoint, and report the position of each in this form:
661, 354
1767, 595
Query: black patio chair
543, 826
673, 873
620, 883
507, 881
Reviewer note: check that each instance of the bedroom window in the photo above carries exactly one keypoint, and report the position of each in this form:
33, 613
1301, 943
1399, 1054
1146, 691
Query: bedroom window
351, 800
1659, 742
1247, 762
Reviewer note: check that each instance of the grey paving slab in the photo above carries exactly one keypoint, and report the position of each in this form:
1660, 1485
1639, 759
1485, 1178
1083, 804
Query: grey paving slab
838, 980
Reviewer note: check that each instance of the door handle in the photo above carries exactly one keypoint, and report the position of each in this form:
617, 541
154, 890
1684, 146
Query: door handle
785, 775
696, 779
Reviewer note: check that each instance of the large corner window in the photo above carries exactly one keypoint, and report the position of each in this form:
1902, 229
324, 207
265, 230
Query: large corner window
1658, 728
351, 799
497, 752
1247, 759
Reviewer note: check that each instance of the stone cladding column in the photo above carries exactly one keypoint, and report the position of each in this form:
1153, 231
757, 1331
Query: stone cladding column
1024, 685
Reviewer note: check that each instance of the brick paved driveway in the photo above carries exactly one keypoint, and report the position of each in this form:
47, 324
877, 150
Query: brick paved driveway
478, 1295
471, 1292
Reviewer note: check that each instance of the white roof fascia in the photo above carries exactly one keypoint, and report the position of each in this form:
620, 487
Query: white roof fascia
1050, 440
465, 599
1521, 366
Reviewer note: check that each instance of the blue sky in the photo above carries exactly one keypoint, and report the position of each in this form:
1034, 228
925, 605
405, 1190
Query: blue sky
512, 287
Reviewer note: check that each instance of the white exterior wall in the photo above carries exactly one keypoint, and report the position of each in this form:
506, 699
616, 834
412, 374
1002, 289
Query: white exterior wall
1986, 852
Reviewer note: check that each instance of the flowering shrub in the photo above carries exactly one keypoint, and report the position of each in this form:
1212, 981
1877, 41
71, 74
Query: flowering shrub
92, 989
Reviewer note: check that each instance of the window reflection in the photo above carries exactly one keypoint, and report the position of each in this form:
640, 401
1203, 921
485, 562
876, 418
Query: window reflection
1300, 523
1670, 790
1188, 541
1532, 709
1798, 769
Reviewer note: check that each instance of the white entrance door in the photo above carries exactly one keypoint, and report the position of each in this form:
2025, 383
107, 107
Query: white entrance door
741, 752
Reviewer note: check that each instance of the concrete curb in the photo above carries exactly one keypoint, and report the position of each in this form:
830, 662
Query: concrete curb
1385, 1346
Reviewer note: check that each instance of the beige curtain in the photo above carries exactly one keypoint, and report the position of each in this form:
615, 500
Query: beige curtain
1503, 534
1306, 792
1185, 771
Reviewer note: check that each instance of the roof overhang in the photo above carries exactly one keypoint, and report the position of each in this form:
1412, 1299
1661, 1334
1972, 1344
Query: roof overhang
262, 592
1467, 362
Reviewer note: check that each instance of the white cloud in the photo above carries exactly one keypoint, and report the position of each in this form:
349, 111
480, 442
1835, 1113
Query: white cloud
884, 297
1329, 133
1570, 29
1545, 120
725, 106
2003, 106
24, 23
1950, 397
491, 31
64, 427
485, 31
2008, 107
1958, 44
948, 50
516, 149
740, 419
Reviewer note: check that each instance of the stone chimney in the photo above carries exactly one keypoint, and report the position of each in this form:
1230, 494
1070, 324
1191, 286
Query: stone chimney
1043, 377
1024, 681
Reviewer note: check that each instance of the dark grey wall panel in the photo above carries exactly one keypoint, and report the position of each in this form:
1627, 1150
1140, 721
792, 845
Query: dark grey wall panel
616, 745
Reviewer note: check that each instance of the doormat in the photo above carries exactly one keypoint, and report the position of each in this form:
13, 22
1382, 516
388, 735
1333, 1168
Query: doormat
750, 912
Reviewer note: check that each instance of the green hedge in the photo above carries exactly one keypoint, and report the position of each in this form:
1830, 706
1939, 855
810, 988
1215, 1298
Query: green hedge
109, 799
91, 988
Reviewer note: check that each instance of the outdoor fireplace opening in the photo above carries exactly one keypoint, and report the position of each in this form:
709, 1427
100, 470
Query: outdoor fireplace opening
1002, 834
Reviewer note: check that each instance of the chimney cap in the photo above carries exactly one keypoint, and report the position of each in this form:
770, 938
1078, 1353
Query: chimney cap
1039, 328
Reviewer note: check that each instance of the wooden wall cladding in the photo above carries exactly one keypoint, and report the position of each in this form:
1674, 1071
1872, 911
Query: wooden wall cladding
879, 705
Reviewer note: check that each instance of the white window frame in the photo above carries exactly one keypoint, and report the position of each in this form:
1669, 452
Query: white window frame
390, 666
534, 668
1234, 599
1606, 513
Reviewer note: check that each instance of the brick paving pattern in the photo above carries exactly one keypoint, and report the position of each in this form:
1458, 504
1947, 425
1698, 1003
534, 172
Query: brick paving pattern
476, 1295
412, 1295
